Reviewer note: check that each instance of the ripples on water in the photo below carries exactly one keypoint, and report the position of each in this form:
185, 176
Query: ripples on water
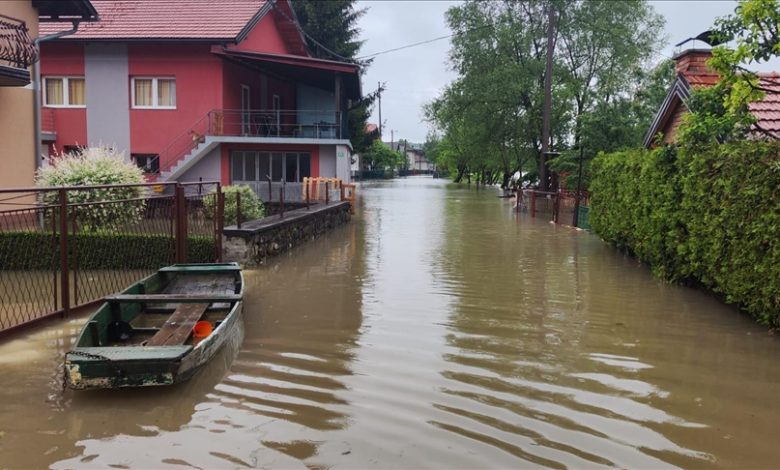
438, 330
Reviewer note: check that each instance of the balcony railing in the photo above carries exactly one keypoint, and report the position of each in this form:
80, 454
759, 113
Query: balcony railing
16, 46
312, 124
279, 123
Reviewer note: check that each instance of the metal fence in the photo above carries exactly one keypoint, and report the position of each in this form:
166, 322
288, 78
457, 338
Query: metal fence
560, 206
64, 247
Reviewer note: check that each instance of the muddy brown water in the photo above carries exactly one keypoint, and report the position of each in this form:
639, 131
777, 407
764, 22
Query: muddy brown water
438, 330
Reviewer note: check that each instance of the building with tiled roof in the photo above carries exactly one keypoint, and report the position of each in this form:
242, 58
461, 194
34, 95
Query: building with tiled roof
692, 73
220, 90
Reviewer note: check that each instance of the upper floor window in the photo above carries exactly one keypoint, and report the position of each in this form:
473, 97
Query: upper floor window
157, 93
64, 92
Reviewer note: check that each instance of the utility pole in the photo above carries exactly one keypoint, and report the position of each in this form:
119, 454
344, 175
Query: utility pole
379, 97
547, 110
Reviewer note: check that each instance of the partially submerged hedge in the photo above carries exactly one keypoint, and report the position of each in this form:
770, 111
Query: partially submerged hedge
709, 216
39, 251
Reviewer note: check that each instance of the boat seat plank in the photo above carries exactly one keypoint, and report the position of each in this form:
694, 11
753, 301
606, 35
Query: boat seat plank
181, 298
178, 327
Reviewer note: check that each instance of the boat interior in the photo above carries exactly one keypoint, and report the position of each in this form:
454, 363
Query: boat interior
178, 305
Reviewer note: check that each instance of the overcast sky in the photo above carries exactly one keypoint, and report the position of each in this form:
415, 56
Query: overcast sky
416, 75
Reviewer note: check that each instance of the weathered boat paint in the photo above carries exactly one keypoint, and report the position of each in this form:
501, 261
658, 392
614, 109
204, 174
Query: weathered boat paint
89, 367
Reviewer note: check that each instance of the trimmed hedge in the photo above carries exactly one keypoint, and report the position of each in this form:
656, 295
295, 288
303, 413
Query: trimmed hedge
708, 216
39, 251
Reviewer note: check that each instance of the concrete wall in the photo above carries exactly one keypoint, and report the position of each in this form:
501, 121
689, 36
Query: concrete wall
343, 163
258, 240
17, 127
327, 161
107, 95
208, 168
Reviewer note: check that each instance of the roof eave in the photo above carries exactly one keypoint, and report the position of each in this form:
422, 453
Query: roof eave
681, 90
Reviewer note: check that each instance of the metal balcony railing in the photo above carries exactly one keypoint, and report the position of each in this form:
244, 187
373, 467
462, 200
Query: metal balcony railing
269, 123
314, 124
16, 46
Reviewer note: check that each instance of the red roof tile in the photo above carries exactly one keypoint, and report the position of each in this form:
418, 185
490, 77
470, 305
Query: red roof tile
767, 111
165, 19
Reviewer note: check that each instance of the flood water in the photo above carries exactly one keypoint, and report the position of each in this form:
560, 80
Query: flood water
437, 330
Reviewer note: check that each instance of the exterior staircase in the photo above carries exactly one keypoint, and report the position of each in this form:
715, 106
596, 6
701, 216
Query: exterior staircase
206, 145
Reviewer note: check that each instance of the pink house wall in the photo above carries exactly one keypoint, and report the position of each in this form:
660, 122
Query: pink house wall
61, 59
264, 37
198, 75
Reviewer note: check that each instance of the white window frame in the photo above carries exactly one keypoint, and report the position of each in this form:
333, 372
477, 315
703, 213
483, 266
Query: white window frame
155, 104
65, 91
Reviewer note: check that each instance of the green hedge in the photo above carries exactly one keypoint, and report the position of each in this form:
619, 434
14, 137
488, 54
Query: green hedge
708, 216
38, 250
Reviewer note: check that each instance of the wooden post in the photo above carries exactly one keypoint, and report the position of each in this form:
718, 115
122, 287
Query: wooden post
533, 203
281, 202
341, 190
306, 189
327, 196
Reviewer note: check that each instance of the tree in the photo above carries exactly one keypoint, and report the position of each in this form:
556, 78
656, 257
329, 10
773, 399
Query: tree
381, 157
333, 34
491, 115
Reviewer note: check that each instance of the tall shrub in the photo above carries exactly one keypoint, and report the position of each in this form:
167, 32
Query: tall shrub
96, 166
706, 214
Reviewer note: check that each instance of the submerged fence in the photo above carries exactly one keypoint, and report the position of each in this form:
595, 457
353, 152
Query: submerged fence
560, 206
64, 247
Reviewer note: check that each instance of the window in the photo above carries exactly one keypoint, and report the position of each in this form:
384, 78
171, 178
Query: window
64, 92
256, 166
151, 93
150, 163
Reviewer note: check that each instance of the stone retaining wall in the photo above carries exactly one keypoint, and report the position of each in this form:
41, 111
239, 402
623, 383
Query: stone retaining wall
259, 239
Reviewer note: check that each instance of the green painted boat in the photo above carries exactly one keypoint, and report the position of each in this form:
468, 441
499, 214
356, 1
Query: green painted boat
160, 330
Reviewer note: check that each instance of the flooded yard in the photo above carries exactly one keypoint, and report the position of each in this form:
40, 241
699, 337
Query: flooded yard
438, 330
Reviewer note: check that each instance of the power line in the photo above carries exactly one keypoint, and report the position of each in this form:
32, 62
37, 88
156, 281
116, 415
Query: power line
427, 41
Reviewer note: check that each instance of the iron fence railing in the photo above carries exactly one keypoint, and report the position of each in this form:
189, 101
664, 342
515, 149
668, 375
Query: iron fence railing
64, 247
561, 206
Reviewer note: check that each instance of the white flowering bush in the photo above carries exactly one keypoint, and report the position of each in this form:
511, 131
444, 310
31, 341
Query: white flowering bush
96, 166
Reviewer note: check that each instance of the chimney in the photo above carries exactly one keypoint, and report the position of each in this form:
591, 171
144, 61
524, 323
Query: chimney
693, 62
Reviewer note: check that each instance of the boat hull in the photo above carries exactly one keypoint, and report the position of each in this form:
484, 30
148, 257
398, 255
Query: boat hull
96, 367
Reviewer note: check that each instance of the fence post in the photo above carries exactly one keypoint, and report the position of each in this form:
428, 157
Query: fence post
181, 225
556, 206
238, 209
327, 195
306, 188
533, 203
270, 190
219, 222
64, 272
281, 202
341, 190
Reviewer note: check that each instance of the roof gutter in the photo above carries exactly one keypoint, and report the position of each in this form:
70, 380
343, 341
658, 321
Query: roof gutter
36, 86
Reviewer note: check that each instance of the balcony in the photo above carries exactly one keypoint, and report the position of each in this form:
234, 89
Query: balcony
271, 126
17, 52
294, 124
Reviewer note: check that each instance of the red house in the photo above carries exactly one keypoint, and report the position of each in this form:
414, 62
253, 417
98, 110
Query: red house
220, 90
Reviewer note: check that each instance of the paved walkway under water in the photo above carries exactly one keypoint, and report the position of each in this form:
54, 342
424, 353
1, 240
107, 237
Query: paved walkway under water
437, 330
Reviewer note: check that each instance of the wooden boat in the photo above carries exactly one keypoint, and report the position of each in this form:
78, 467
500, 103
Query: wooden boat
144, 335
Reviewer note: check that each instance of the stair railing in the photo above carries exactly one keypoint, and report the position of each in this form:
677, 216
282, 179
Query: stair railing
185, 142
